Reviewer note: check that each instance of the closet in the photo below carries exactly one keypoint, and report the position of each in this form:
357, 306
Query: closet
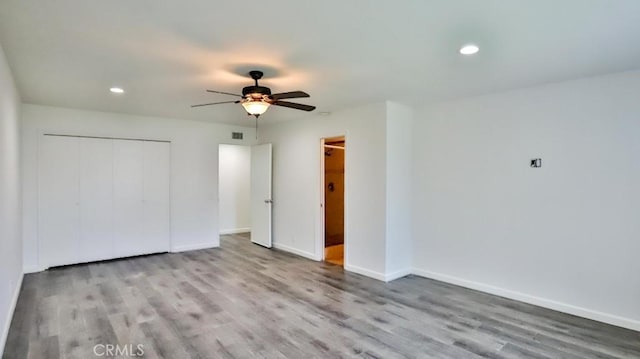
101, 198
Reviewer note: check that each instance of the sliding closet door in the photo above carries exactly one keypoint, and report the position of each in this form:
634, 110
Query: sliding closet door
157, 191
128, 200
102, 199
96, 199
141, 183
58, 208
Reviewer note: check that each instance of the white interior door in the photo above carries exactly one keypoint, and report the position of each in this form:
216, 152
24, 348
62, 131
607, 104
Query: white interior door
261, 201
156, 197
96, 199
58, 208
128, 198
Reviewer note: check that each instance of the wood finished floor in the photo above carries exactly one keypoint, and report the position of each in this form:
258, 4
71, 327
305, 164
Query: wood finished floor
244, 301
334, 254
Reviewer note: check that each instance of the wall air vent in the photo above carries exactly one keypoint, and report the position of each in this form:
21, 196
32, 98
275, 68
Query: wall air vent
236, 135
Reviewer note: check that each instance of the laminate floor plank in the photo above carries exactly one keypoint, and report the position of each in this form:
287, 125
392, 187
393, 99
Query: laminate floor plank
244, 301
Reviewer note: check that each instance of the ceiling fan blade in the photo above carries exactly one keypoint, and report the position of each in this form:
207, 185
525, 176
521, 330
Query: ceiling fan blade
292, 94
224, 93
297, 106
214, 103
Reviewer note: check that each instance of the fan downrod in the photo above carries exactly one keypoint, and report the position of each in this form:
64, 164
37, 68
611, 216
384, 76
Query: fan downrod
256, 91
256, 75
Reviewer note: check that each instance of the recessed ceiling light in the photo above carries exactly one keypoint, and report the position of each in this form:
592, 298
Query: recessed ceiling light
116, 90
469, 49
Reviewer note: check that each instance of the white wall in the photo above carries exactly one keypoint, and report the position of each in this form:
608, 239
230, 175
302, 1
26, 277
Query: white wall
296, 185
235, 188
566, 235
194, 167
378, 168
399, 190
10, 202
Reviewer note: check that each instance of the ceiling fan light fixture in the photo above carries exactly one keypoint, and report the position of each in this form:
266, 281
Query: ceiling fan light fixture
255, 107
256, 99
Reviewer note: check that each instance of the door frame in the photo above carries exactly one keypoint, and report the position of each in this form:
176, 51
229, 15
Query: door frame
321, 231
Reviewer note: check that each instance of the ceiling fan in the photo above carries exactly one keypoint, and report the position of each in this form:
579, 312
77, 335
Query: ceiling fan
256, 99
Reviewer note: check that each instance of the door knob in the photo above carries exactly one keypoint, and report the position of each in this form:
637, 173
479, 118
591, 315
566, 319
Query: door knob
268, 201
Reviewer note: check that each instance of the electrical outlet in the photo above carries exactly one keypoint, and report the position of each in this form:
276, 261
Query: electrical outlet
536, 163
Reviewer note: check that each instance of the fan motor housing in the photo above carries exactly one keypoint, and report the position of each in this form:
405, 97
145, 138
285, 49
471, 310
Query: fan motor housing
261, 90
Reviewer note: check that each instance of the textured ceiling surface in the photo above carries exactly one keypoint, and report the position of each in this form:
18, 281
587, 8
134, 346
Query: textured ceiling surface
344, 53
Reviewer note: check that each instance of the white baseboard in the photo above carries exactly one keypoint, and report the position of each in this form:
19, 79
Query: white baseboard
388, 277
365, 272
235, 231
32, 269
194, 247
526, 298
398, 274
296, 251
7, 324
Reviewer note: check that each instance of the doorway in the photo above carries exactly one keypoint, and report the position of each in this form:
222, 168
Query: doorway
334, 149
234, 189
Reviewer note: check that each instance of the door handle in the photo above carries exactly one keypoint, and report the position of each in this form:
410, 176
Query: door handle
268, 201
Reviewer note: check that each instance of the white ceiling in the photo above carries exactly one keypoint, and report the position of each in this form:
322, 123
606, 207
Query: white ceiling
165, 53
